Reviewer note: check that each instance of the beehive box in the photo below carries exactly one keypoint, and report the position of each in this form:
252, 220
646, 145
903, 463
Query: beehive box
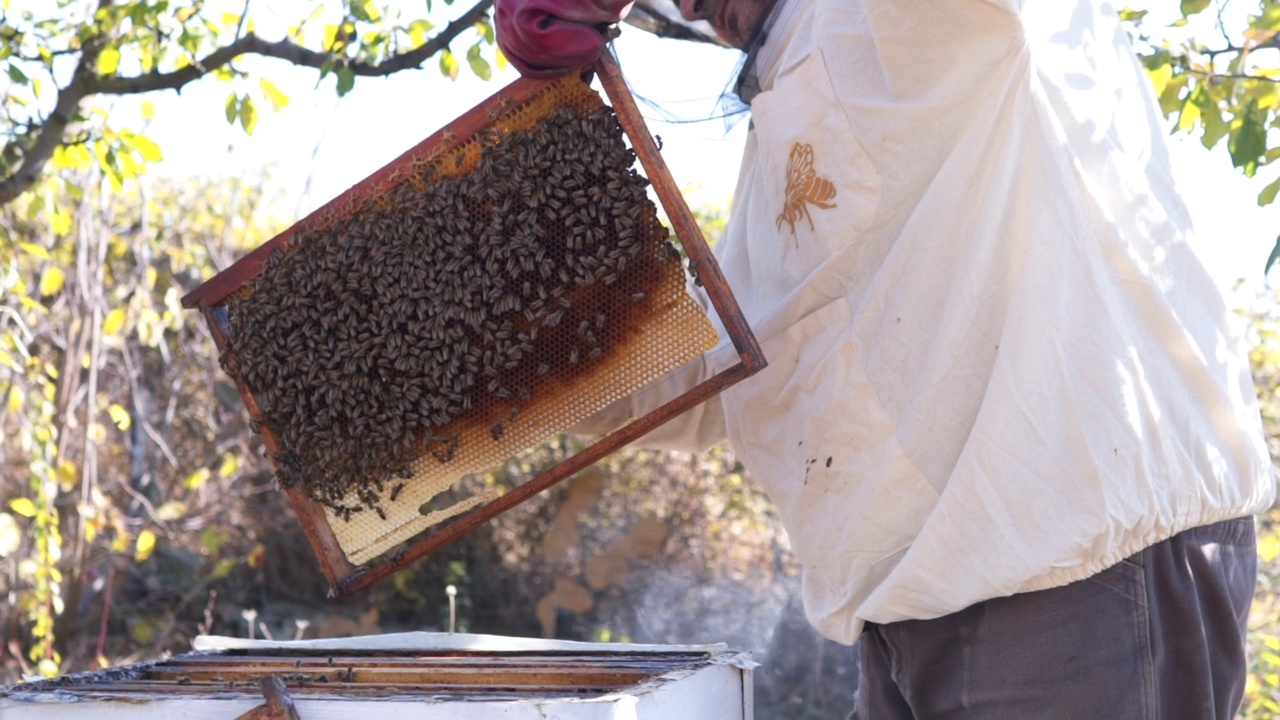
428, 676
496, 284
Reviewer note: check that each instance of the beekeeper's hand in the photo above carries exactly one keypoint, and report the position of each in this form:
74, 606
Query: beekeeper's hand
545, 38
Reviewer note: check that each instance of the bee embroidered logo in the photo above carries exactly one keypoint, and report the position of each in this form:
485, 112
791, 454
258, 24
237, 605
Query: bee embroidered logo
804, 188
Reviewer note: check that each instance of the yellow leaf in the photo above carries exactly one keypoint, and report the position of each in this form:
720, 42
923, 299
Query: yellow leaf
120, 417
1269, 547
51, 280
35, 250
67, 475
23, 506
144, 547
146, 147
151, 276
229, 465
113, 322
108, 61
148, 109
10, 535
197, 478
257, 556
60, 221
273, 95
1160, 77
47, 667
448, 64
16, 398
172, 510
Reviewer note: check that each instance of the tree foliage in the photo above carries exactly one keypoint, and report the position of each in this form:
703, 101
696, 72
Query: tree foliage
1220, 81
57, 58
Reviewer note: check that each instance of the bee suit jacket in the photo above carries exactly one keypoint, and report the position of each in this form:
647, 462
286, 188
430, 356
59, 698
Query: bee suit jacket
995, 363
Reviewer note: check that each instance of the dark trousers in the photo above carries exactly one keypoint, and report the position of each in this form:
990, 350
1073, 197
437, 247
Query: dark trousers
1160, 635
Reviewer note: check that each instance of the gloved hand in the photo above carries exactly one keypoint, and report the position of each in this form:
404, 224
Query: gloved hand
545, 38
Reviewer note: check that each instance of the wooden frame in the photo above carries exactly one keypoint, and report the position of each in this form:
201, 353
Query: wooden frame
343, 576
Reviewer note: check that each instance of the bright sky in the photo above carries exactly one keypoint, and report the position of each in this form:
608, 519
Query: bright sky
320, 145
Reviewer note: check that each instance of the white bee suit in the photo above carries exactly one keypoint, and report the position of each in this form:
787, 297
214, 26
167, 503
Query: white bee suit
995, 364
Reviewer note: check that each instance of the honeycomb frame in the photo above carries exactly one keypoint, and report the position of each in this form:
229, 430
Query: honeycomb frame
403, 533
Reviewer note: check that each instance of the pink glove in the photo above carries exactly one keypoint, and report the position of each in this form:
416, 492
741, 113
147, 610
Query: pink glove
545, 38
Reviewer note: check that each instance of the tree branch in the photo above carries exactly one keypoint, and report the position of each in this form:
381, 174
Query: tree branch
46, 138
288, 51
35, 152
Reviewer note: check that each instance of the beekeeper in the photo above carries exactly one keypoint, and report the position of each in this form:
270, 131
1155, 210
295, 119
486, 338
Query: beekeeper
1006, 420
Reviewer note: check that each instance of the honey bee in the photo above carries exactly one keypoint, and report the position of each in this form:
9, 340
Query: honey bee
804, 188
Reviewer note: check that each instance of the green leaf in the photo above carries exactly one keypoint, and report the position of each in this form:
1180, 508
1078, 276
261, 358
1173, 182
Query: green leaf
486, 31
224, 568
1275, 254
273, 95
346, 79
248, 115
1249, 142
23, 506
448, 64
479, 65
1131, 15
17, 76
365, 10
233, 107
108, 60
1215, 127
1191, 7
212, 539
1268, 194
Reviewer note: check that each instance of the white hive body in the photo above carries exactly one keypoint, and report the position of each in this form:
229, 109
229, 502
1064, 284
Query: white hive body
424, 676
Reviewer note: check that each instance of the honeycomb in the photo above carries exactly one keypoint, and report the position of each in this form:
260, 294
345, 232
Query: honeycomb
483, 297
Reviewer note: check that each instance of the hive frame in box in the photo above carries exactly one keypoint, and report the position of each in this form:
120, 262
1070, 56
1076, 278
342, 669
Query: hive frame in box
346, 578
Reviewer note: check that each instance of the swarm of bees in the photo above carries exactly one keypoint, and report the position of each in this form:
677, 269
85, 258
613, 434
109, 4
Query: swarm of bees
449, 302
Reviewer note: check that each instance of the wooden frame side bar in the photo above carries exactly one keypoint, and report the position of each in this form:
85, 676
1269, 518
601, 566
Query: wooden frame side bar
686, 227
333, 562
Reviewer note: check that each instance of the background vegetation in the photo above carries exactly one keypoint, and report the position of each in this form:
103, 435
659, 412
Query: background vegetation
138, 510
